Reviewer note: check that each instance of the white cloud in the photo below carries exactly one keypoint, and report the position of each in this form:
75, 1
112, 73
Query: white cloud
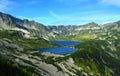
5, 5
54, 15
110, 2
23, 17
97, 16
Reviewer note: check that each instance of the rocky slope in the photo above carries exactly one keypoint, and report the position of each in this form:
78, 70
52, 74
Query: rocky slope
97, 55
93, 57
9, 22
32, 28
43, 64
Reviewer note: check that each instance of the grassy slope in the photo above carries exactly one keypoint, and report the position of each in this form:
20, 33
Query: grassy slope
78, 37
88, 55
1, 28
17, 38
83, 35
8, 68
91, 54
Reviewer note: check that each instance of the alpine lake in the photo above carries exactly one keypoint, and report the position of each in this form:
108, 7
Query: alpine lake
65, 47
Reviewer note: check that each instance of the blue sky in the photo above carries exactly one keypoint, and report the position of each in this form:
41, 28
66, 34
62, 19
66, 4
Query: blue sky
57, 12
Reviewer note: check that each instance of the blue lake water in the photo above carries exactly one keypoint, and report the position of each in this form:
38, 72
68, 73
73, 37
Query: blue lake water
64, 49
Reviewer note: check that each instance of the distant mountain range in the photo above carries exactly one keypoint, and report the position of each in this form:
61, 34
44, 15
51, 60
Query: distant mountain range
10, 22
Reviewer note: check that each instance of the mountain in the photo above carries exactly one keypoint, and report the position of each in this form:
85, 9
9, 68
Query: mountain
98, 54
91, 25
98, 58
12, 23
9, 22
112, 26
48, 32
34, 29
93, 57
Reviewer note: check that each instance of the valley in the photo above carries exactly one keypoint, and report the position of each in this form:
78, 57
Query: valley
98, 53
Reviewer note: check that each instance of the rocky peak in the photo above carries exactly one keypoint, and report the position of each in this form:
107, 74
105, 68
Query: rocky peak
91, 24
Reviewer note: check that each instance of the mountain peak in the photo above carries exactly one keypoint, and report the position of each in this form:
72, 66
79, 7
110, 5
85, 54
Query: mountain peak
91, 24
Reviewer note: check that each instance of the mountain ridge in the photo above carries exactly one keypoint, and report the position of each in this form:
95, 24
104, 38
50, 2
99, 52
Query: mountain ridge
35, 28
98, 53
8, 21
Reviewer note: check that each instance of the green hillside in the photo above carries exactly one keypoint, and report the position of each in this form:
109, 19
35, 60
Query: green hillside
96, 57
8, 68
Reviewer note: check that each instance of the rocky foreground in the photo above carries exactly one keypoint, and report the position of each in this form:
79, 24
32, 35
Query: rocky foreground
40, 62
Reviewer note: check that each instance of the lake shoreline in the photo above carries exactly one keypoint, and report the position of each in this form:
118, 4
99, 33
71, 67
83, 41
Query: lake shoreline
65, 47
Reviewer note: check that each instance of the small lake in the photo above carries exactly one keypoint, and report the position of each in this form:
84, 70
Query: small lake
65, 47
